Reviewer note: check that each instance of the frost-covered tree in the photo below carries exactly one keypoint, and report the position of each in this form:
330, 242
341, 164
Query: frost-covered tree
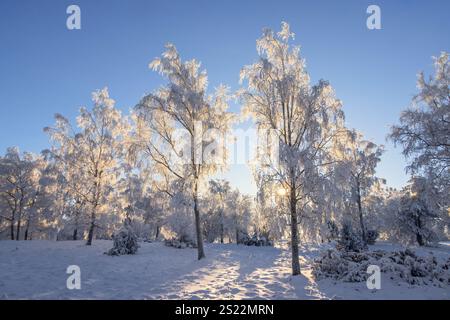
271, 210
142, 206
417, 212
424, 134
358, 161
93, 153
180, 127
64, 184
155, 209
229, 213
241, 213
130, 191
180, 221
19, 190
424, 129
219, 189
306, 120
39, 215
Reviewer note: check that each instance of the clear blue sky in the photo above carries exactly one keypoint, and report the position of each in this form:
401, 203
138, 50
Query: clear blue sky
45, 68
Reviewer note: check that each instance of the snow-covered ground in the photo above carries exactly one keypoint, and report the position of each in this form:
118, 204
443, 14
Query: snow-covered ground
37, 270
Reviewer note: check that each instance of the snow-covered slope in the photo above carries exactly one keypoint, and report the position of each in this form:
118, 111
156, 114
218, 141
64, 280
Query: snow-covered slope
37, 270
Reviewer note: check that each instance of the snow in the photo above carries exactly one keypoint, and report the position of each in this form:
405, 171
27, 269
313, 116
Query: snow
37, 270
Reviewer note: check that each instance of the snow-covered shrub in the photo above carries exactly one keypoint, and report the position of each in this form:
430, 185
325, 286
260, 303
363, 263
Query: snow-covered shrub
404, 266
348, 266
372, 236
349, 240
241, 237
124, 242
180, 244
255, 240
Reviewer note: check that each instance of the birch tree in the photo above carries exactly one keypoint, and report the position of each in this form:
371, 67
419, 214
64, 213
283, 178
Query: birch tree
359, 159
19, 188
93, 154
424, 134
305, 119
180, 127
220, 188
424, 129
417, 211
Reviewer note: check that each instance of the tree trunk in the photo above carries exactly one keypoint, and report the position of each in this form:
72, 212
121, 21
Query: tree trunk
221, 226
294, 233
361, 220
27, 229
420, 240
419, 237
91, 228
200, 250
12, 228
19, 219
222, 208
96, 197
157, 233
25, 237
75, 231
18, 228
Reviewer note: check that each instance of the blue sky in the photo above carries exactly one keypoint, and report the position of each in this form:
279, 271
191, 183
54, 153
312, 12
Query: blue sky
46, 68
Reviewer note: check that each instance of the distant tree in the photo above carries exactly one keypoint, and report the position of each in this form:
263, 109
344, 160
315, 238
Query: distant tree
271, 211
19, 189
240, 207
64, 185
40, 202
93, 154
359, 159
220, 189
416, 212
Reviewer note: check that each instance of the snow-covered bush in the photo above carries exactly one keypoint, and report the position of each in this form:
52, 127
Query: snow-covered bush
125, 242
348, 266
180, 244
372, 236
255, 240
349, 240
400, 265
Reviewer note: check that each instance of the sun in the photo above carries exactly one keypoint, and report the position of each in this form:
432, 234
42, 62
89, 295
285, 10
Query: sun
281, 191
